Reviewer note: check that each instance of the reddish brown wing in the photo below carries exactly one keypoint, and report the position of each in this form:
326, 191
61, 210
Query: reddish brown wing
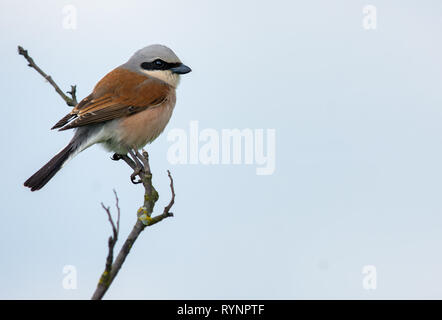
119, 94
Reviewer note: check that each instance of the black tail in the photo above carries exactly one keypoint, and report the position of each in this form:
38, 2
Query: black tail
42, 176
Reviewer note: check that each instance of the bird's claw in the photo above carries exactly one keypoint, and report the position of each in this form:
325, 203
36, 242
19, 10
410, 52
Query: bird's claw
116, 157
134, 175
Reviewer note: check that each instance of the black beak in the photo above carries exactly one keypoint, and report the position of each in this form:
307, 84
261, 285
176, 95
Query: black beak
181, 69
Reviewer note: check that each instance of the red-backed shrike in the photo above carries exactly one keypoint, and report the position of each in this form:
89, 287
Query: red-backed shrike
127, 109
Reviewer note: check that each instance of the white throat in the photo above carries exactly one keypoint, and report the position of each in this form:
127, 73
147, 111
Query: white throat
167, 76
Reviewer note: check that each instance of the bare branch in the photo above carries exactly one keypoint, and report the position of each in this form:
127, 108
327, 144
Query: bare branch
69, 101
172, 189
144, 218
112, 239
117, 205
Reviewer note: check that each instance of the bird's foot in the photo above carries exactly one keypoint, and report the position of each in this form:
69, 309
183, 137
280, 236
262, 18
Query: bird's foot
133, 176
116, 157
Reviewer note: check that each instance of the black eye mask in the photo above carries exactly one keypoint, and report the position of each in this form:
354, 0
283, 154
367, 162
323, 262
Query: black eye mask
159, 64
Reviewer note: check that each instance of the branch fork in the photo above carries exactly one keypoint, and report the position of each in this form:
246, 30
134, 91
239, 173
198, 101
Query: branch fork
144, 219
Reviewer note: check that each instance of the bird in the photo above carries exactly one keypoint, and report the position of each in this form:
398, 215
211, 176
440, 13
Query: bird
127, 109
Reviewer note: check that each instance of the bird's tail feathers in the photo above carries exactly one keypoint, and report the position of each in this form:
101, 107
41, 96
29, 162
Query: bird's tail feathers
39, 179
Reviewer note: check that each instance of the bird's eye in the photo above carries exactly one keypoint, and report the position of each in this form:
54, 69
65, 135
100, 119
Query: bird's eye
157, 64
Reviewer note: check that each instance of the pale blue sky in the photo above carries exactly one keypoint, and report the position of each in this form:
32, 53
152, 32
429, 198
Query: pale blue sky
358, 172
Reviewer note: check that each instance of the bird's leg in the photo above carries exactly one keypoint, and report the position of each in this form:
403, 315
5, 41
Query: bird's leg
133, 154
137, 169
144, 158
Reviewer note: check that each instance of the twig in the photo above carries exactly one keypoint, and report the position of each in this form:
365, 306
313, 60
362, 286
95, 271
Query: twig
172, 200
144, 219
117, 205
112, 239
69, 101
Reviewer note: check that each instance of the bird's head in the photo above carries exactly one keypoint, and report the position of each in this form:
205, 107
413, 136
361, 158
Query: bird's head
158, 61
